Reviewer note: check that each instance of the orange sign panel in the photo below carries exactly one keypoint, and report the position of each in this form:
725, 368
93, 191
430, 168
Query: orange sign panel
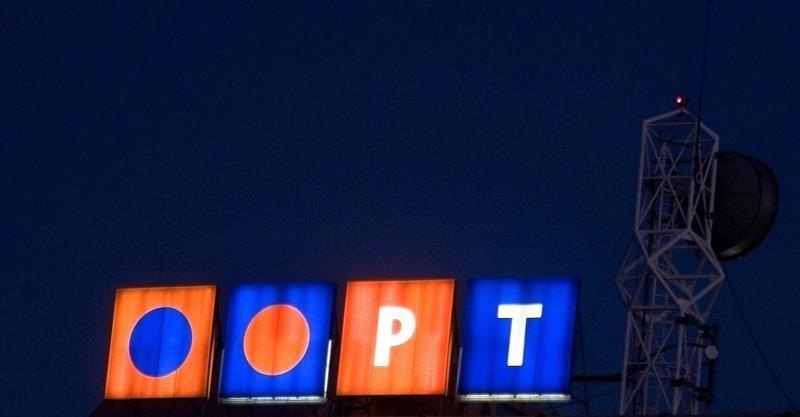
161, 342
396, 337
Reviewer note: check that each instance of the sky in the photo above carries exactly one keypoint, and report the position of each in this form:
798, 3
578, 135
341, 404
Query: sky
168, 142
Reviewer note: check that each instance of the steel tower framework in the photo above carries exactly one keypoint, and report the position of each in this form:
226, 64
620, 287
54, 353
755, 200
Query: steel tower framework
670, 276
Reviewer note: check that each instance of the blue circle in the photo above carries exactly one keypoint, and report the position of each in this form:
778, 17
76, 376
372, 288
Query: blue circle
160, 341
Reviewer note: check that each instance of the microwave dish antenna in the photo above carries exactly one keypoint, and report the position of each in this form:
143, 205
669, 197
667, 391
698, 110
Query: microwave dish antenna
745, 205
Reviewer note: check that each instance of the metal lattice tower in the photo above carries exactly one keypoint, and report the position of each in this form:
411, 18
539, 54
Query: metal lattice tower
670, 276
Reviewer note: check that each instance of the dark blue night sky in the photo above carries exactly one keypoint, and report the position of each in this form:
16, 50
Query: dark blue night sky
248, 141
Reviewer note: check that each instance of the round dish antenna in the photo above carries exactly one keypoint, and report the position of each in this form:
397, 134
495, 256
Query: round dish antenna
745, 205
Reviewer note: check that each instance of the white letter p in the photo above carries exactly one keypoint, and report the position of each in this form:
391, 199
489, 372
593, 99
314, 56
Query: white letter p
385, 339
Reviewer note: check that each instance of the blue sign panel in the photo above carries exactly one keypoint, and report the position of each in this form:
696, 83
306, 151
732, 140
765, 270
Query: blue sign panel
277, 343
517, 342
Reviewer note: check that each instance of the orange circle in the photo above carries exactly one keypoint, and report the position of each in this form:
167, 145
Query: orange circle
276, 339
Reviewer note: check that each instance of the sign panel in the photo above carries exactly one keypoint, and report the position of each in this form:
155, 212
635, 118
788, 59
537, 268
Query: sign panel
396, 337
277, 344
161, 342
518, 339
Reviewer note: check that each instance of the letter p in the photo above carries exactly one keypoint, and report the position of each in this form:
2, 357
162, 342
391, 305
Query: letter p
385, 339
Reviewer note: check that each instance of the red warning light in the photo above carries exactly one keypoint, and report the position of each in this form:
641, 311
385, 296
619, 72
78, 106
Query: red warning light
681, 101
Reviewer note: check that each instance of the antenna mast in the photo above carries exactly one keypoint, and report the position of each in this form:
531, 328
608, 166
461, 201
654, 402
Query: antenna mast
670, 276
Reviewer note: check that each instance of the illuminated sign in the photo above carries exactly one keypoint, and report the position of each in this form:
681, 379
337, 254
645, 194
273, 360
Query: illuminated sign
396, 337
161, 342
277, 344
518, 339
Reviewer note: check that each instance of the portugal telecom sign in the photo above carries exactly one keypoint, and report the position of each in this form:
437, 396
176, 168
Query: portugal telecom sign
396, 339
518, 339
